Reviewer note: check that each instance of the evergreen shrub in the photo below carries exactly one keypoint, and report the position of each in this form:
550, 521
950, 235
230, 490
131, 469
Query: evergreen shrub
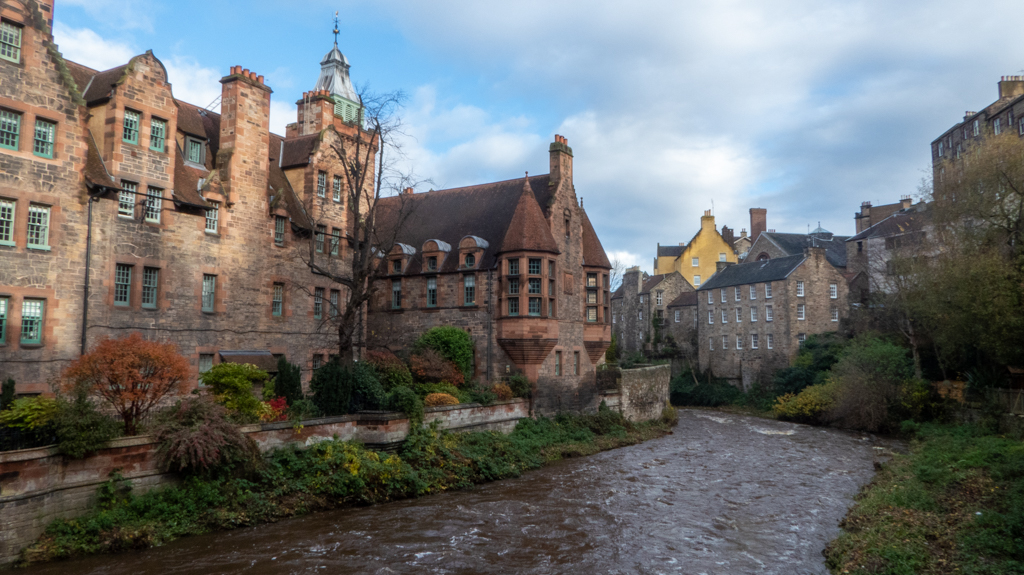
289, 381
451, 343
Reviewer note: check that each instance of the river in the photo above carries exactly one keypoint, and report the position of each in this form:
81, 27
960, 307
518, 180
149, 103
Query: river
724, 494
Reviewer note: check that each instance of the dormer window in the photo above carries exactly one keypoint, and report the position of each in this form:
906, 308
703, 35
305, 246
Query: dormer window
470, 261
432, 264
396, 266
195, 151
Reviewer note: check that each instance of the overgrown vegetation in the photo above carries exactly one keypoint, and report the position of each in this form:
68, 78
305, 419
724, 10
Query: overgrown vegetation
292, 481
955, 504
198, 436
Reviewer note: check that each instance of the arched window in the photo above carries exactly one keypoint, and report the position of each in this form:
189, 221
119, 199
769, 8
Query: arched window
763, 257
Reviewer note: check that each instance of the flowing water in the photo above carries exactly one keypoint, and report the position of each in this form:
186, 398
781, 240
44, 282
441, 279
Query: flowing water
724, 494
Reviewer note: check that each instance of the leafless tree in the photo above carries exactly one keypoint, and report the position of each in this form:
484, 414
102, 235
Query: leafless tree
615, 277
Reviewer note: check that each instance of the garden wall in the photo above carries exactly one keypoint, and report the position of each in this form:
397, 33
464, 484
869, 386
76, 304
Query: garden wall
644, 392
40, 485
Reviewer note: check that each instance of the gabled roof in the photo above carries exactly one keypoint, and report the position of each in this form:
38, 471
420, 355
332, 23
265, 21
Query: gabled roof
593, 252
670, 251
298, 150
528, 230
101, 84
686, 298
754, 272
651, 282
96, 173
80, 74
190, 119
899, 223
186, 182
484, 210
617, 294
279, 189
794, 244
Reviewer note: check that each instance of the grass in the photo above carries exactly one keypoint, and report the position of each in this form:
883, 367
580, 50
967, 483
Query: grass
292, 481
954, 504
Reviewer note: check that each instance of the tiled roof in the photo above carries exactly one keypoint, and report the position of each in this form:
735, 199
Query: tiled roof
651, 282
102, 83
794, 244
593, 252
528, 230
754, 272
190, 119
80, 74
298, 150
898, 223
280, 189
484, 210
617, 294
684, 299
186, 180
670, 251
95, 171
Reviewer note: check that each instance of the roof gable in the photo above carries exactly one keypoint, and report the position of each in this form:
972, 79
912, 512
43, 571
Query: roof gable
528, 229
754, 272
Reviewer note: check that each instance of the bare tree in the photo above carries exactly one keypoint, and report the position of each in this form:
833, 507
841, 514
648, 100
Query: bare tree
615, 276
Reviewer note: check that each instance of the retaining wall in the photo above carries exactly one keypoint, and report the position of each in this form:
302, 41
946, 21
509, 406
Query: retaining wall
40, 485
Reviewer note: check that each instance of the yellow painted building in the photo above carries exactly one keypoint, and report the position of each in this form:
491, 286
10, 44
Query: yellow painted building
697, 260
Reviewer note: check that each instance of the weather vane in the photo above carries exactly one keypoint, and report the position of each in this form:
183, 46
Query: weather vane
335, 27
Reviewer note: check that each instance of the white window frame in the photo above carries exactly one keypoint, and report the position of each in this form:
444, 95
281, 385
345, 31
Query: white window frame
835, 313
739, 342
724, 297
711, 343
154, 204
321, 184
711, 297
722, 257
767, 290
753, 341
737, 293
833, 291
696, 281
659, 298
768, 316
753, 314
739, 315
126, 200
769, 339
996, 126
209, 293
801, 312
212, 218
695, 262
725, 342
799, 289
711, 317
676, 315
753, 293
725, 316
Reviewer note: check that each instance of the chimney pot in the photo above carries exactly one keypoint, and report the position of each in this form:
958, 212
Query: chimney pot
259, 79
245, 71
408, 190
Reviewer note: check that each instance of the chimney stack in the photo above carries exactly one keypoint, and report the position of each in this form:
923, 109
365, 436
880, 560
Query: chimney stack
408, 190
560, 157
758, 222
1011, 86
244, 133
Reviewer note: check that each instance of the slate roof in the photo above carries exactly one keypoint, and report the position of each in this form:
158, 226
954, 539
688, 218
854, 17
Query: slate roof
754, 272
298, 150
617, 294
280, 189
528, 229
670, 251
101, 84
593, 251
80, 74
95, 171
186, 180
794, 244
190, 119
687, 298
651, 282
896, 224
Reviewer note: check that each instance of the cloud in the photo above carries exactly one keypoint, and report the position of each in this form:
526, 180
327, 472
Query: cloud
89, 48
121, 14
627, 259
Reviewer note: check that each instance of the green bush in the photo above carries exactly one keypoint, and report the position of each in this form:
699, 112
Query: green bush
408, 402
816, 357
331, 387
611, 355
6, 393
367, 391
232, 386
303, 409
871, 375
451, 343
391, 371
196, 436
520, 385
810, 405
713, 393
289, 381
29, 413
80, 428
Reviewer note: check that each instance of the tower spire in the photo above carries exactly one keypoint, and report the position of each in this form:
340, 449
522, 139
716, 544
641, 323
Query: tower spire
335, 28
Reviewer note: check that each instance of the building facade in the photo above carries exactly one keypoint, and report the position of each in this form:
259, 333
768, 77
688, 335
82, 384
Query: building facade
752, 317
696, 261
640, 309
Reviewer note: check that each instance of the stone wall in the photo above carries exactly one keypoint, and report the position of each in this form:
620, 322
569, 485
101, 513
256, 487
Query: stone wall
39, 485
644, 392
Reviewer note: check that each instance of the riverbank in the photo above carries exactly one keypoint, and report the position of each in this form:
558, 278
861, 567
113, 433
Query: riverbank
330, 474
954, 504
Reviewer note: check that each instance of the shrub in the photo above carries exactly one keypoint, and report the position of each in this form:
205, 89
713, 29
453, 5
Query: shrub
80, 429
332, 389
520, 385
408, 402
6, 393
391, 370
439, 399
232, 385
278, 409
503, 391
870, 374
196, 436
451, 343
289, 381
477, 394
428, 366
713, 393
367, 391
669, 415
29, 413
302, 409
425, 389
810, 405
611, 355
131, 374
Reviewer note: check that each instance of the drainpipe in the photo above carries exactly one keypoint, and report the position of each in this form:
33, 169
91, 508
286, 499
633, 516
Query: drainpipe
88, 260
490, 325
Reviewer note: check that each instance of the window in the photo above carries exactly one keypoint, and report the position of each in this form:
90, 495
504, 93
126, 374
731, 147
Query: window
195, 151
721, 257
122, 284
431, 292
335, 241
739, 342
711, 298
769, 339
551, 287
739, 317
10, 41
711, 343
126, 200
534, 306
696, 282
753, 293
801, 338
834, 313
660, 297
725, 342
3, 319
10, 127
576, 363
279, 222
799, 289
534, 287
318, 303
591, 296
157, 134
940, 149
396, 266
318, 361
711, 317
513, 267
38, 226
212, 217
1020, 126
321, 184
205, 365
977, 128
737, 292
513, 286
337, 188
209, 287
996, 127
767, 313
432, 263
551, 269
640, 315
677, 316
591, 314
591, 280
321, 231
534, 267
470, 260
695, 262
513, 306
396, 294
801, 311
131, 127
32, 321
767, 291
558, 363
753, 341
469, 290
277, 303
153, 204
46, 133
725, 317
833, 291
722, 294
6, 223
753, 314
150, 281
958, 151
335, 297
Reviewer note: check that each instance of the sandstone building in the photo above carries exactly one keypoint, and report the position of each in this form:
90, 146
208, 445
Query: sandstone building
752, 317
640, 314
696, 260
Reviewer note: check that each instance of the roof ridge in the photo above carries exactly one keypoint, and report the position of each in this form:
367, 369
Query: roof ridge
461, 188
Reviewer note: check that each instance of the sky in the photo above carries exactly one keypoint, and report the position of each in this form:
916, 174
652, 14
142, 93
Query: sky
804, 107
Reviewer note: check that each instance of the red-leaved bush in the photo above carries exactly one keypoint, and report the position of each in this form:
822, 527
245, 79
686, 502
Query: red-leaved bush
131, 374
428, 366
278, 409
196, 435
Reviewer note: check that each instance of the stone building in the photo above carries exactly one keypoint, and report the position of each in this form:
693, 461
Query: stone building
123, 209
873, 254
640, 308
752, 317
870, 215
517, 264
696, 260
771, 244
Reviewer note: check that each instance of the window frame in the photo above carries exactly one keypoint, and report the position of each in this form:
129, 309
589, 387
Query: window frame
321, 184
319, 238
800, 288
154, 205
123, 285
209, 296
5, 306
769, 339
513, 307
696, 281
833, 290
318, 303
335, 300
44, 225
126, 200
150, 289
768, 315
130, 131
801, 312
15, 135
215, 219
39, 319
767, 290
558, 362
396, 293
532, 304
834, 313
195, 144
336, 189
432, 292
49, 144
695, 262
753, 314
17, 30
469, 289
335, 241
157, 136
676, 316
533, 266
279, 230
277, 300
8, 216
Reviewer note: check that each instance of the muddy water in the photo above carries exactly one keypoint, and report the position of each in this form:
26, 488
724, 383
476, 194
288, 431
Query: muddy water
724, 494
